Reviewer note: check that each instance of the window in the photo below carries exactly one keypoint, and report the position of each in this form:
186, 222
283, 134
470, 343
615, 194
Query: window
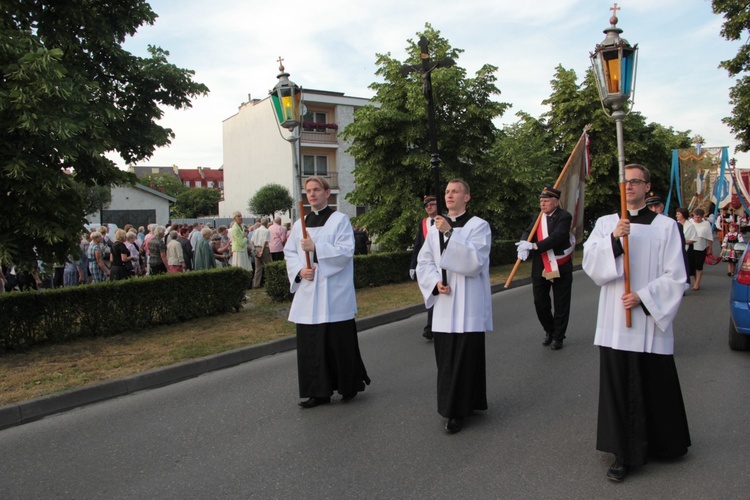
197, 184
314, 165
210, 184
314, 117
187, 183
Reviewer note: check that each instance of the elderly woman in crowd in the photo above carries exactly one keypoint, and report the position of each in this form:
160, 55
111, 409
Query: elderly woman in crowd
135, 253
157, 252
121, 259
204, 255
98, 271
240, 258
175, 258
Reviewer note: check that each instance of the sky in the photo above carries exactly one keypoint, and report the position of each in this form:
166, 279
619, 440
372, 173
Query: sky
233, 48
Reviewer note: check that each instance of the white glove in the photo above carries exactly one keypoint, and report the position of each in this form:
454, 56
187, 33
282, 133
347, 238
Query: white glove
523, 249
412, 273
524, 245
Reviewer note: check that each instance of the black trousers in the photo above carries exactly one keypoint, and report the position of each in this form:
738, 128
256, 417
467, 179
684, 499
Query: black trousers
641, 411
328, 360
554, 323
462, 375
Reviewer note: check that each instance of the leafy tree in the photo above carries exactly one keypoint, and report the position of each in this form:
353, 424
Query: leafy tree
168, 184
270, 199
197, 202
96, 198
69, 93
735, 27
391, 145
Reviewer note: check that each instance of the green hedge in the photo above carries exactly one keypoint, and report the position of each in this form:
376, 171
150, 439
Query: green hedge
376, 269
31, 318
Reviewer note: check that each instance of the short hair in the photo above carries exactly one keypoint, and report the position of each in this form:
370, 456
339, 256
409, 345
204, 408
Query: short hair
120, 235
221, 228
684, 212
173, 234
236, 213
646, 173
160, 230
323, 183
103, 230
699, 212
263, 221
141, 229
96, 236
206, 231
131, 236
277, 220
462, 182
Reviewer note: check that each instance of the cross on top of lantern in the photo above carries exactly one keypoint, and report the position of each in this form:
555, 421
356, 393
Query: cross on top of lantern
285, 97
614, 63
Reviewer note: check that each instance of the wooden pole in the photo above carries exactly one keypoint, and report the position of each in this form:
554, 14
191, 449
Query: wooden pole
539, 217
304, 231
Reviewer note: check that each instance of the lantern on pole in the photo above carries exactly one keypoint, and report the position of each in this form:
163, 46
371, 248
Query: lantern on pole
286, 101
286, 97
614, 63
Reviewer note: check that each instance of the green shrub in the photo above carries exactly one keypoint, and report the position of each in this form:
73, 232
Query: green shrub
376, 269
101, 309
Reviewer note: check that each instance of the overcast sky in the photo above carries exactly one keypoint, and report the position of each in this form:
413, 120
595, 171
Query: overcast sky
332, 45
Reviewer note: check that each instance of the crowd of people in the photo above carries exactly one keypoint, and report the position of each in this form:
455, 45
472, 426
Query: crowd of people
153, 250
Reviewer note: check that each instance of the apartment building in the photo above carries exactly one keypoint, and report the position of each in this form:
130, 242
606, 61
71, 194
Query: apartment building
256, 153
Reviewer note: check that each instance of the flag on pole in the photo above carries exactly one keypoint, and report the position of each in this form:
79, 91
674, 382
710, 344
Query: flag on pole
571, 184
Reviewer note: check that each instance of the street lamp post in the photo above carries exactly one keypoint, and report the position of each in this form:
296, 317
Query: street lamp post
614, 63
286, 101
425, 70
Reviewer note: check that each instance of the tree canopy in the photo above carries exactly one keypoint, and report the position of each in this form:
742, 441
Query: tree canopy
168, 184
270, 199
736, 26
197, 202
69, 93
391, 145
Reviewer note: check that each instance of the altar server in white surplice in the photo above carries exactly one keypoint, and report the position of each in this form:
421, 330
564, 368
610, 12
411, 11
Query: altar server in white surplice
462, 308
324, 305
641, 411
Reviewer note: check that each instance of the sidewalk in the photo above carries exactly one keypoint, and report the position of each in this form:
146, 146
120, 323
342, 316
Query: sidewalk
36, 409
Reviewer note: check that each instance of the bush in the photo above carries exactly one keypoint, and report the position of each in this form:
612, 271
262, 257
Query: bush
376, 269
102, 309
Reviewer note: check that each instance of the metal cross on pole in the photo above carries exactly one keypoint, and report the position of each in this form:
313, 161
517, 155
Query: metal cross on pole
425, 70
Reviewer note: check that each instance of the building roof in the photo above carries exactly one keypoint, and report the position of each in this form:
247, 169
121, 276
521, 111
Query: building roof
155, 192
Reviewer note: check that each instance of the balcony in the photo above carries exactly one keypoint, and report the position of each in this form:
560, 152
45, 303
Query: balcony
323, 137
331, 177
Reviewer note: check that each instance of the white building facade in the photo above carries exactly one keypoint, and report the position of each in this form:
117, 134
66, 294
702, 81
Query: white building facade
256, 154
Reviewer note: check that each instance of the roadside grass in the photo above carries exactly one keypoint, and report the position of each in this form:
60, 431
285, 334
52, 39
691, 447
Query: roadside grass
57, 367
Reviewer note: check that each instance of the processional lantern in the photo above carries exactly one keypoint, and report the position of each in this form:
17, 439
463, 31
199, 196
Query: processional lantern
286, 97
614, 63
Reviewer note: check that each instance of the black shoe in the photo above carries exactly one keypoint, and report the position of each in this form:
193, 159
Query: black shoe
345, 398
427, 334
313, 402
547, 340
617, 471
556, 345
454, 425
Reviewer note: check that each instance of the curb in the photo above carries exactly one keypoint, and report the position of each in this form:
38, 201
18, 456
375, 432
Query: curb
38, 408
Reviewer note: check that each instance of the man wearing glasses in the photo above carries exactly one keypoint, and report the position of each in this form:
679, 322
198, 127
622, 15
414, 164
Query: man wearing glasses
430, 206
641, 411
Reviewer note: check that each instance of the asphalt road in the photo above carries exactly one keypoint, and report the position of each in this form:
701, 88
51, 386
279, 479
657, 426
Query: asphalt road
238, 433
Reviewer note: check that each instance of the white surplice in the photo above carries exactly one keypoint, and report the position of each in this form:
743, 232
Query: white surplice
330, 296
468, 307
657, 275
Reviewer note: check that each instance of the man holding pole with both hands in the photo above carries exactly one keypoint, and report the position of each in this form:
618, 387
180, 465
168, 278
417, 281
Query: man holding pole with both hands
324, 305
462, 304
551, 252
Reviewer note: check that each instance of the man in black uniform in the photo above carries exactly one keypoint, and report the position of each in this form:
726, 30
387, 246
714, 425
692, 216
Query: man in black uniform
551, 251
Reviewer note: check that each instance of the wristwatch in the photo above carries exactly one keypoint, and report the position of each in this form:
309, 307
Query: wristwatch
448, 233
